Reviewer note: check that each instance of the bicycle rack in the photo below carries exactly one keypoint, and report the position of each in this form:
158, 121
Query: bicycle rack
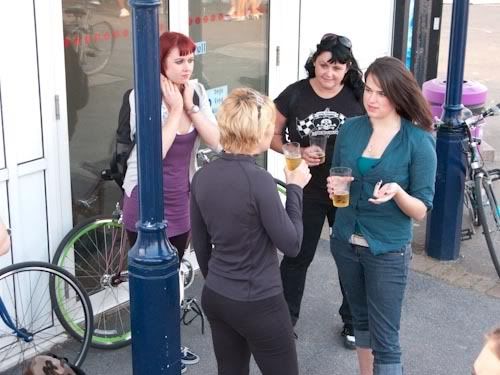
191, 304
466, 234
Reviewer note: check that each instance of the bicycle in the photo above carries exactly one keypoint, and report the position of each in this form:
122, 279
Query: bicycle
93, 42
480, 199
39, 304
96, 252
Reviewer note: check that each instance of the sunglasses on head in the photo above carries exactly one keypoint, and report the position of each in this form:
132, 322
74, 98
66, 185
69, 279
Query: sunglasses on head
338, 39
259, 101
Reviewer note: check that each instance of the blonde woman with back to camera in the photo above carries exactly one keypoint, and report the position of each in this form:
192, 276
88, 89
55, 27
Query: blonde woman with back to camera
238, 222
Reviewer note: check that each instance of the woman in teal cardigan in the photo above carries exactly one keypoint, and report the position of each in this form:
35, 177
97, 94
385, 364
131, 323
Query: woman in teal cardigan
391, 152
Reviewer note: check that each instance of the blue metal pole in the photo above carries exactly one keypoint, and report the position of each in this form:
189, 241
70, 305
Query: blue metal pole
152, 262
445, 221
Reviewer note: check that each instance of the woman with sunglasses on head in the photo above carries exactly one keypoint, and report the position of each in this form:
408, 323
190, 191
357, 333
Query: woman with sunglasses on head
391, 152
184, 125
238, 221
317, 105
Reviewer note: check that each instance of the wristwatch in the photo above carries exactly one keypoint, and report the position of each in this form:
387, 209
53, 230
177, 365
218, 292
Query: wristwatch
194, 109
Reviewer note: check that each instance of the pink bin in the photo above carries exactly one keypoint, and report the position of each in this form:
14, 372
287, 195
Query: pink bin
473, 97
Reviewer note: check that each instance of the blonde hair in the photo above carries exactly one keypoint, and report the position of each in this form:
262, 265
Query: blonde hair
243, 118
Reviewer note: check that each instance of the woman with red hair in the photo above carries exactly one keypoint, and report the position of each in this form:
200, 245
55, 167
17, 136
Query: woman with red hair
184, 124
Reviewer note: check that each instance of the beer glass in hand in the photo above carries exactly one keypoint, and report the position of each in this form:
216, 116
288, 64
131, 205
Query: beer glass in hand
318, 143
338, 185
292, 154
299, 176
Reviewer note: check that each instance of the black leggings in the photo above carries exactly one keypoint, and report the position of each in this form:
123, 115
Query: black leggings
180, 241
261, 328
294, 269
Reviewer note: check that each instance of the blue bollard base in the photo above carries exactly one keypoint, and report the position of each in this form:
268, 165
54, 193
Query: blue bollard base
444, 222
152, 248
155, 315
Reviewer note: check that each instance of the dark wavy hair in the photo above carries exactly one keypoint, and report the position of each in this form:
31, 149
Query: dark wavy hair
342, 55
402, 90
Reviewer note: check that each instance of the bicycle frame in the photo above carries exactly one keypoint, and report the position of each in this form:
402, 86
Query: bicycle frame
475, 162
479, 195
20, 332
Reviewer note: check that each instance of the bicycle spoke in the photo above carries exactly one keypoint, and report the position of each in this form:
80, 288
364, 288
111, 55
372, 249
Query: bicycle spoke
31, 311
98, 251
490, 219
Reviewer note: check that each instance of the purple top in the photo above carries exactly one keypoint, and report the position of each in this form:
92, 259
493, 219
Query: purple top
175, 188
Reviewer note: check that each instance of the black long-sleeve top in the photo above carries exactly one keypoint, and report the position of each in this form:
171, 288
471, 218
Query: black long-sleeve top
237, 222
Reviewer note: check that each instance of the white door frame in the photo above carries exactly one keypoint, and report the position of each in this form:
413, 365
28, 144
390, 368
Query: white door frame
36, 193
284, 64
55, 122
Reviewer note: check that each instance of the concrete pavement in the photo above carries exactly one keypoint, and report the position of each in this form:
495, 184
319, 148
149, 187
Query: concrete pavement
442, 328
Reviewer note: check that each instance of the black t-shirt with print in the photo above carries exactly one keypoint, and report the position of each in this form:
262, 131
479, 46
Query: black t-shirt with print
308, 114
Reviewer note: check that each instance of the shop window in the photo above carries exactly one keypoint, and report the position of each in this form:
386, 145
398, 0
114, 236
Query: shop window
98, 58
232, 46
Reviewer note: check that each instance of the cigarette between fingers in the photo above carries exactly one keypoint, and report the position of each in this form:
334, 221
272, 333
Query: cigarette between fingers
377, 188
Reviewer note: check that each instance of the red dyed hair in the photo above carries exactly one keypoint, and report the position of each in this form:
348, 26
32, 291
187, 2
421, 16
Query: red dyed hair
170, 40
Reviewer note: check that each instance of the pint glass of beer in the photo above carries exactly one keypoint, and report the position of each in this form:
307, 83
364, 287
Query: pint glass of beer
342, 183
318, 143
292, 154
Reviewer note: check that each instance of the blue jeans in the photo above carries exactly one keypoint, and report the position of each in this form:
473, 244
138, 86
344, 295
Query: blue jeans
375, 287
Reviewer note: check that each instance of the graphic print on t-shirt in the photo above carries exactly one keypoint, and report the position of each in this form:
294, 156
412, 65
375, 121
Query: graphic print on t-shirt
325, 122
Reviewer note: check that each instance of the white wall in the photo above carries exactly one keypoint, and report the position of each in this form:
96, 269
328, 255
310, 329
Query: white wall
30, 189
367, 23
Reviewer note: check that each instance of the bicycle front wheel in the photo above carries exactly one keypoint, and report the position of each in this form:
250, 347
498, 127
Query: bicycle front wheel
489, 217
28, 325
97, 46
96, 252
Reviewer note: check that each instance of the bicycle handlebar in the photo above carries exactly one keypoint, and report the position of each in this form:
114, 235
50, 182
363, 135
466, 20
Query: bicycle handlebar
472, 121
279, 182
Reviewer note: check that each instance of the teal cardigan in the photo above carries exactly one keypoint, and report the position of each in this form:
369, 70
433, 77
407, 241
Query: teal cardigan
409, 159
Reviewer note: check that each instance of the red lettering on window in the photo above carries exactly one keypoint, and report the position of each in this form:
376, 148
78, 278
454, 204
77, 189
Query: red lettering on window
197, 20
205, 19
106, 36
87, 39
213, 18
116, 34
125, 33
67, 42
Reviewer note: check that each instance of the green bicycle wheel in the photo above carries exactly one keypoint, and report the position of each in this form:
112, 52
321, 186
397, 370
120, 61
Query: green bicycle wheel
95, 251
